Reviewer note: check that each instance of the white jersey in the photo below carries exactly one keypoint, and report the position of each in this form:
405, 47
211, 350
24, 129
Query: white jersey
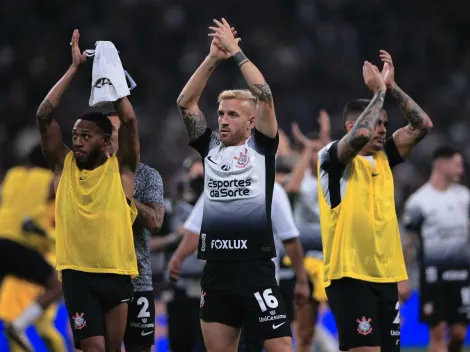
281, 214
238, 187
440, 218
306, 210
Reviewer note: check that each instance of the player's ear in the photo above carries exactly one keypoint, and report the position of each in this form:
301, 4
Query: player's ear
106, 142
251, 122
349, 125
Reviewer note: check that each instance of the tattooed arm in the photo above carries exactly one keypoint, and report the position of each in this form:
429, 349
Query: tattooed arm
51, 136
363, 130
361, 133
419, 122
187, 102
265, 120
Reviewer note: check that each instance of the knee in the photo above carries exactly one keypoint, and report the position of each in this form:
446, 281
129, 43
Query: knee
113, 346
438, 332
280, 344
458, 333
93, 347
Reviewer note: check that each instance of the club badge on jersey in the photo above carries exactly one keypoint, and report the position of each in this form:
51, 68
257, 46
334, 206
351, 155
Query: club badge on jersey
229, 174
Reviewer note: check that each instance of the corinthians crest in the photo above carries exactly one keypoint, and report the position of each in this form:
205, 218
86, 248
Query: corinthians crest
78, 321
364, 327
242, 160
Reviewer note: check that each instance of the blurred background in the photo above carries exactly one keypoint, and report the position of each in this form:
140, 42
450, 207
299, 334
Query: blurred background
310, 51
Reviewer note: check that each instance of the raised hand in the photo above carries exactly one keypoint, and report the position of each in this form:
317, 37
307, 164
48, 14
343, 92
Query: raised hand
373, 77
78, 57
216, 49
226, 40
388, 71
323, 118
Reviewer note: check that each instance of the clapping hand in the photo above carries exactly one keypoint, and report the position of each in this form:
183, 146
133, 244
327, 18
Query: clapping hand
225, 36
78, 58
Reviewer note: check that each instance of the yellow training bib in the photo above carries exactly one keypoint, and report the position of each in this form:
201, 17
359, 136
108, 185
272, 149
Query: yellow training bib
94, 220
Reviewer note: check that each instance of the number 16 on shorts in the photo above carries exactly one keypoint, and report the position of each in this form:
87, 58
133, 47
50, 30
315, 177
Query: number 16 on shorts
271, 318
267, 300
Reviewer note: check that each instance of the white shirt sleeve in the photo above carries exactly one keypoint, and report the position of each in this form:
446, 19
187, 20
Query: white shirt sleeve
281, 215
194, 221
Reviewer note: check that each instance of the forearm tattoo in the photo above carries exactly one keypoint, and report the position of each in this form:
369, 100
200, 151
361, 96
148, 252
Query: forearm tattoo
45, 115
355, 140
264, 93
195, 123
240, 58
413, 113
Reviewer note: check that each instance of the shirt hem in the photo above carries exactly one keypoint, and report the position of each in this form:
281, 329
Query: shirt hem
380, 280
132, 273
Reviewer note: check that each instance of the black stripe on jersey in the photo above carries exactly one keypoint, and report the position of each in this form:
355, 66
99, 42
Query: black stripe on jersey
334, 187
270, 165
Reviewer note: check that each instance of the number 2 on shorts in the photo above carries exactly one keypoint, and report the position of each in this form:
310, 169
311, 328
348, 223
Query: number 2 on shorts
267, 300
397, 318
144, 313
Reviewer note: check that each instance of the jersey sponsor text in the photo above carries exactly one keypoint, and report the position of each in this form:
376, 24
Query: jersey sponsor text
229, 188
229, 244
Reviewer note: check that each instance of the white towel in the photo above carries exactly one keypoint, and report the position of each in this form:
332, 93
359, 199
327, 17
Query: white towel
108, 82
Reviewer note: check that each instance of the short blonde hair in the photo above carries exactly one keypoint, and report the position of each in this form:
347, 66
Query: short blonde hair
240, 94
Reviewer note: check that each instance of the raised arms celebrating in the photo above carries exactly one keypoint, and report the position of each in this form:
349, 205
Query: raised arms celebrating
265, 120
128, 138
187, 102
351, 144
419, 122
51, 135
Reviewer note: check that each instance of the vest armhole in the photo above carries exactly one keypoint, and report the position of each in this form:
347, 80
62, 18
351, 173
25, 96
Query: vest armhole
334, 188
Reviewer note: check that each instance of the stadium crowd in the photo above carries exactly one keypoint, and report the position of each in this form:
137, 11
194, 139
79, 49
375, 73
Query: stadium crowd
312, 64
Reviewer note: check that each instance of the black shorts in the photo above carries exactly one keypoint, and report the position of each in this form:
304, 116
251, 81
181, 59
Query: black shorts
366, 314
88, 296
244, 294
180, 308
445, 302
140, 329
23, 262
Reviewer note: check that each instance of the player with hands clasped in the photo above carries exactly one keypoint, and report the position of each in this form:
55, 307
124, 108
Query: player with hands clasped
95, 247
361, 241
239, 287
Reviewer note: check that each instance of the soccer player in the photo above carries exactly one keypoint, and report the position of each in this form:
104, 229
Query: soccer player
436, 216
361, 242
238, 284
25, 192
284, 229
16, 294
148, 198
95, 210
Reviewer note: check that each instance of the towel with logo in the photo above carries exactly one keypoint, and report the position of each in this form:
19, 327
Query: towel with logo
108, 82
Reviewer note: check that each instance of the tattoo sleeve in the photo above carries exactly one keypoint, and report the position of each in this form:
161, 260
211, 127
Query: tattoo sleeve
413, 113
363, 129
45, 115
266, 95
195, 122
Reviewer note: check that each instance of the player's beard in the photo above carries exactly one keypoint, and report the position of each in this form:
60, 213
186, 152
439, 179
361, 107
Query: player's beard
88, 159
